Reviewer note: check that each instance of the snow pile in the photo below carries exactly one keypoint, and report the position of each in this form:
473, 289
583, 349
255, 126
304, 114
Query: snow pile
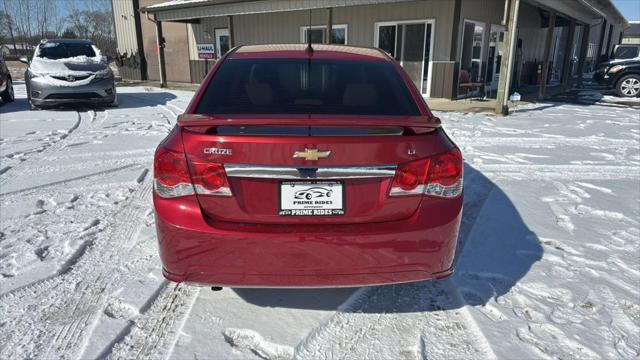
253, 341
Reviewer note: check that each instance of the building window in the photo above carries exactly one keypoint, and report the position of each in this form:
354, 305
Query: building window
410, 43
318, 34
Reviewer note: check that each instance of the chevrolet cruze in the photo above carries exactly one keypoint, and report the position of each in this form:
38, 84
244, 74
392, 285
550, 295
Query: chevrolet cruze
274, 121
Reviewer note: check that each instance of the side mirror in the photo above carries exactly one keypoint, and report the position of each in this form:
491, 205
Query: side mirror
24, 60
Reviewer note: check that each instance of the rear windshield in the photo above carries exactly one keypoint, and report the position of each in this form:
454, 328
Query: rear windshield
301, 86
54, 51
626, 52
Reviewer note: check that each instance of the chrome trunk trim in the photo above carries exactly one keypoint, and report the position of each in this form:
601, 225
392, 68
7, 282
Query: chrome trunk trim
309, 172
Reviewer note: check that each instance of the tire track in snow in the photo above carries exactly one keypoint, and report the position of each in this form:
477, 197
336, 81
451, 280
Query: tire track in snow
83, 123
421, 320
541, 142
68, 180
414, 320
153, 335
558, 172
72, 302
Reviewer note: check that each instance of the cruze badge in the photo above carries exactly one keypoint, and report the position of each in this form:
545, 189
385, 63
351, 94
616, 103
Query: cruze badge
218, 151
311, 154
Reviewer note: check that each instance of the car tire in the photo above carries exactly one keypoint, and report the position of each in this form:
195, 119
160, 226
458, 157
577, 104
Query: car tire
628, 86
115, 102
329, 194
8, 95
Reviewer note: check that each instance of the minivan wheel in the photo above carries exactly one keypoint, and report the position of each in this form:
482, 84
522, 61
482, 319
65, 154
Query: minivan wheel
8, 94
629, 86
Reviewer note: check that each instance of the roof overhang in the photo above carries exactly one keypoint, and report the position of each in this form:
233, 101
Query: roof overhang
584, 11
195, 9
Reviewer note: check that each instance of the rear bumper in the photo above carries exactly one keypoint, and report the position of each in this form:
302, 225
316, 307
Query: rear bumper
194, 249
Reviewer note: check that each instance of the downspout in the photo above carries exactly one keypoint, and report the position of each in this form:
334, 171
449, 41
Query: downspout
160, 49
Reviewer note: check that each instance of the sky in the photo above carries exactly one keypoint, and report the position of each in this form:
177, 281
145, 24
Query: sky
629, 8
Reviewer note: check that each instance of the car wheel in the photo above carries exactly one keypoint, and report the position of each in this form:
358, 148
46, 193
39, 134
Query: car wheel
8, 94
115, 102
329, 194
308, 196
629, 86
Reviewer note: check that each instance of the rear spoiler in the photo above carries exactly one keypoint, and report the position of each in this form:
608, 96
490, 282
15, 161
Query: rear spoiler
418, 124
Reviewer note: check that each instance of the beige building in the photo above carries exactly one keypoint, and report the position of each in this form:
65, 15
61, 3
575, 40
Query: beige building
449, 48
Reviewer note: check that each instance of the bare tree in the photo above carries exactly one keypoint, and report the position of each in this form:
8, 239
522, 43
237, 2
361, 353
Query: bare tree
6, 29
31, 20
96, 26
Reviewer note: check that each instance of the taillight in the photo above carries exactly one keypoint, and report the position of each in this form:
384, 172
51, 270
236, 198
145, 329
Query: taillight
171, 174
445, 175
439, 176
209, 178
410, 178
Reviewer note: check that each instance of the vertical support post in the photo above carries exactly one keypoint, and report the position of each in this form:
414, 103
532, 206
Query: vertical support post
232, 39
453, 53
607, 52
139, 42
502, 95
566, 62
603, 29
547, 52
584, 47
329, 26
161, 64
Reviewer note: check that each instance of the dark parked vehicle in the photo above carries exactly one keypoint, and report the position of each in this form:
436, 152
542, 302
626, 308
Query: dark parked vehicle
68, 71
622, 72
6, 85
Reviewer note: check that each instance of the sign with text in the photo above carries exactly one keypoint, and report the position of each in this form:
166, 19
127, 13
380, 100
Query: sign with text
206, 51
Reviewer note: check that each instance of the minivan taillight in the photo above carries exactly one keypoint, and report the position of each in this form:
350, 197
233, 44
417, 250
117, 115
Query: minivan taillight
171, 174
439, 176
209, 178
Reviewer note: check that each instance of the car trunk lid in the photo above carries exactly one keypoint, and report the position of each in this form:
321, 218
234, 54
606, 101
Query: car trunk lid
270, 162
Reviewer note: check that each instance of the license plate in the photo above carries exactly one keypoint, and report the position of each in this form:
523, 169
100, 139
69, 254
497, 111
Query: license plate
311, 198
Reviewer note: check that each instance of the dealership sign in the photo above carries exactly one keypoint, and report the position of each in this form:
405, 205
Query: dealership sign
206, 51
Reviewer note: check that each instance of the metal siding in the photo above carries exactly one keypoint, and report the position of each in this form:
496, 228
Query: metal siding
284, 27
123, 15
176, 50
250, 7
487, 11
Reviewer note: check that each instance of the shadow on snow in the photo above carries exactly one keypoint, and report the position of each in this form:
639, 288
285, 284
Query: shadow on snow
495, 250
126, 100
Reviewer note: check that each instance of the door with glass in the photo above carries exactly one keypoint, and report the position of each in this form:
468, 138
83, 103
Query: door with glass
409, 43
494, 56
222, 42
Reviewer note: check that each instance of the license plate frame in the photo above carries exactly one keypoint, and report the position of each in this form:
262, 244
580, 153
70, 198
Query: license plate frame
290, 205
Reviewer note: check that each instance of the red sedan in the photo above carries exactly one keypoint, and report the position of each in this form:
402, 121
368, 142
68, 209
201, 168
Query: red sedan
307, 167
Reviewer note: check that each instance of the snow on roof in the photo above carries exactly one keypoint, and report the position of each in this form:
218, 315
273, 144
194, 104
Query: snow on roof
174, 3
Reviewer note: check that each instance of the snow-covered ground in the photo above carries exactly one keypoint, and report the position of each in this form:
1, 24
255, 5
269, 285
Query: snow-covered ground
549, 263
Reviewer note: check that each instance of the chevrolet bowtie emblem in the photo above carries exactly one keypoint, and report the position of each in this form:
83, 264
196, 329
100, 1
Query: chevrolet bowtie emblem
311, 154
